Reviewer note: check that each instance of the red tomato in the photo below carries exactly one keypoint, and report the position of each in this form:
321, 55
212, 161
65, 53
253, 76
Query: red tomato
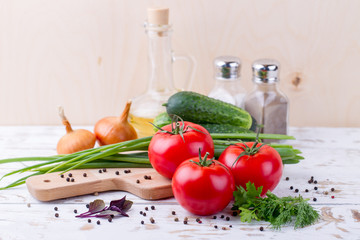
263, 168
203, 190
167, 151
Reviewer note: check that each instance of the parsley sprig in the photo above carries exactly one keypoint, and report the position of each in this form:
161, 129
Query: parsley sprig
278, 211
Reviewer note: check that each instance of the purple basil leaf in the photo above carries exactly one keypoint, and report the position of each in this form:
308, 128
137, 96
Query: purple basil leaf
97, 205
119, 203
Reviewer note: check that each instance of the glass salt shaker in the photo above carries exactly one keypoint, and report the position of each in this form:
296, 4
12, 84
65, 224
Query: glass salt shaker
227, 81
266, 103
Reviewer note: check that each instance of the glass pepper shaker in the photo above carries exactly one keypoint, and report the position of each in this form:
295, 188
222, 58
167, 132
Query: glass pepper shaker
266, 103
227, 81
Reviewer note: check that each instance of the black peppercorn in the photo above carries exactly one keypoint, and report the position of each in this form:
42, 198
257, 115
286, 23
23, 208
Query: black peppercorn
98, 222
215, 226
142, 222
62, 175
56, 215
109, 219
75, 211
55, 208
104, 170
291, 187
287, 178
227, 218
152, 220
230, 226
145, 177
315, 182
70, 174
222, 216
261, 228
144, 214
87, 205
315, 188
214, 217
149, 177
152, 207
176, 219
185, 222
100, 171
85, 175
306, 190
89, 220
68, 179
234, 214
72, 180
197, 219
146, 208
332, 189
117, 173
314, 199
296, 190
137, 181
173, 213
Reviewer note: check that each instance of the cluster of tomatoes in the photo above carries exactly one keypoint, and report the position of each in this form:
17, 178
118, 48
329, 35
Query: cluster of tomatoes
180, 151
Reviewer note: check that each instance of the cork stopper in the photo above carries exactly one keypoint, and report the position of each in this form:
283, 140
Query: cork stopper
158, 16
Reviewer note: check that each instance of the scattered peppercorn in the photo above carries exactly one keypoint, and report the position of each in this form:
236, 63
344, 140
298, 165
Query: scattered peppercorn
112, 215
85, 175
109, 219
312, 178
68, 179
152, 207
89, 220
222, 216
176, 219
332, 197
230, 226
315, 182
137, 181
87, 205
55, 208
142, 222
149, 177
75, 211
332, 189
185, 222
197, 219
296, 190
291, 187
214, 217
234, 214
145, 177
314, 199
56, 215
173, 213
315, 188
310, 181
144, 214
127, 171
306, 190
261, 228
117, 173
287, 178
62, 175
100, 171
98, 222
72, 180
152, 220
70, 174
104, 170
227, 218
146, 208
215, 226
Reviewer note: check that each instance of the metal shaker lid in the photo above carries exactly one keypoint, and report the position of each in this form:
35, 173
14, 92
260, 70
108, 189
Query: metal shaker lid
265, 71
227, 67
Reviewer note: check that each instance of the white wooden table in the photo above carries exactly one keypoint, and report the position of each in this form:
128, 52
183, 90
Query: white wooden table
332, 156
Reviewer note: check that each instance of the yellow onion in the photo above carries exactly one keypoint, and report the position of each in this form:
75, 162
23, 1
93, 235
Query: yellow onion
110, 130
74, 140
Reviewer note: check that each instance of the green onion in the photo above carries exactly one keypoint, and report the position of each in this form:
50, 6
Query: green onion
131, 154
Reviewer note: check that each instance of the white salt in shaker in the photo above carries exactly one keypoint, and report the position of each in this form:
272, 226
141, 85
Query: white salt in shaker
227, 81
266, 103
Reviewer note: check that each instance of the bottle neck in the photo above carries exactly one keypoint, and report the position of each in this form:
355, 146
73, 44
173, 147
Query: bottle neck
160, 59
266, 87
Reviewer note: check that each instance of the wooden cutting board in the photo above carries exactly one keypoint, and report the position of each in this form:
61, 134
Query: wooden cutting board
52, 186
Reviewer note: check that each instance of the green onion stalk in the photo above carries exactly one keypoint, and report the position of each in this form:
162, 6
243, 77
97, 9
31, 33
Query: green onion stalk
132, 154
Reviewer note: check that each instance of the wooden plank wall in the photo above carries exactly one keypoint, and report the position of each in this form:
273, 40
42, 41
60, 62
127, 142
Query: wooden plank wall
91, 55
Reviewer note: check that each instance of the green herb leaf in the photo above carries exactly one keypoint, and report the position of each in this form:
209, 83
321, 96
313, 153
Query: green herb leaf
278, 211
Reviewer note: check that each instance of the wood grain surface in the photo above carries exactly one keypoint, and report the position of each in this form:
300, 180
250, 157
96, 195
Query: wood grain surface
91, 56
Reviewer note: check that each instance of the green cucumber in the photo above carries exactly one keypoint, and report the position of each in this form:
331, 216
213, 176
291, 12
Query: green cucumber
163, 119
198, 108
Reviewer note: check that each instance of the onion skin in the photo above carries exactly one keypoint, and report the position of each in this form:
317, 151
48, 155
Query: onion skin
75, 141
110, 130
